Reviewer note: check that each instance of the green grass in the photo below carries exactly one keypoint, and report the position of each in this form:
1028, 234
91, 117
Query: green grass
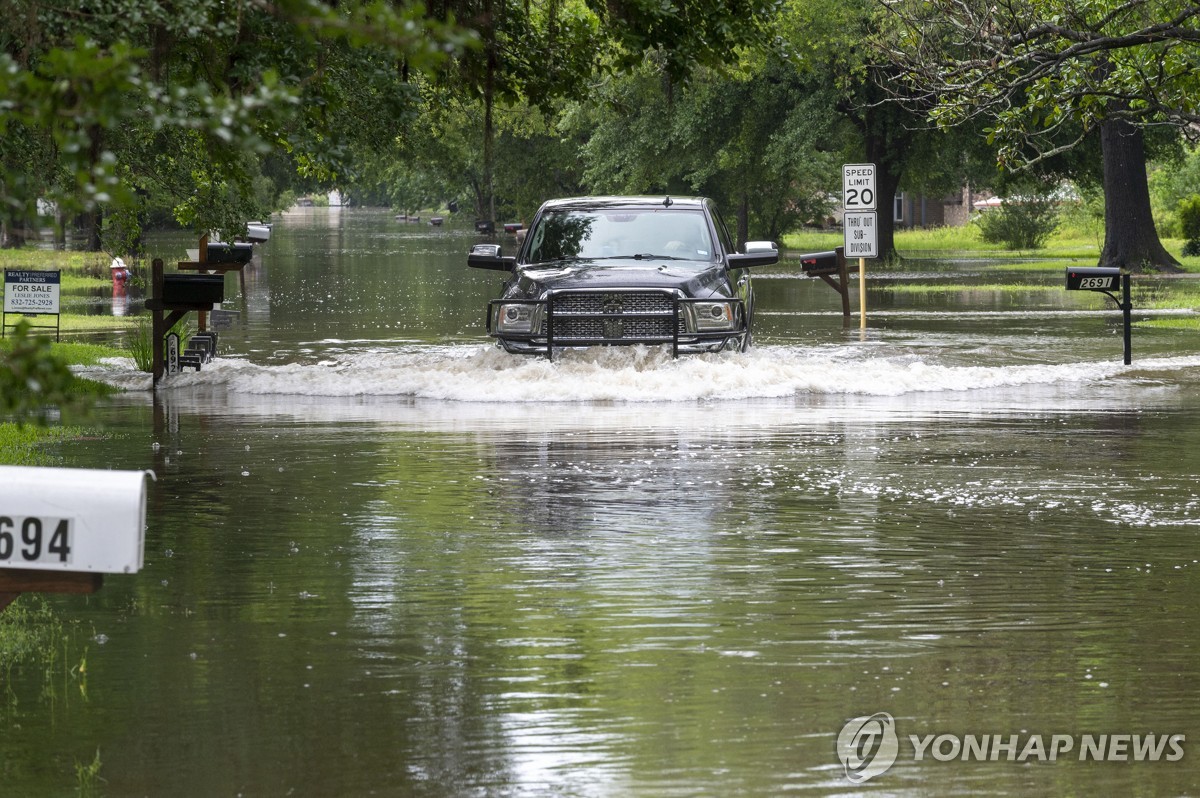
26, 445
29, 630
1171, 323
1165, 295
1069, 243
94, 264
955, 288
74, 322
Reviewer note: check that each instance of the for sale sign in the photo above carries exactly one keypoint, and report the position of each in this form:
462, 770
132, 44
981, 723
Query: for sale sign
31, 292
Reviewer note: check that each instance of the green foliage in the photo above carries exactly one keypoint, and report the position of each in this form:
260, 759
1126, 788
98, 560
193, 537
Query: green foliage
123, 107
1044, 74
1189, 221
752, 141
87, 777
29, 631
140, 341
34, 383
684, 35
25, 445
1024, 221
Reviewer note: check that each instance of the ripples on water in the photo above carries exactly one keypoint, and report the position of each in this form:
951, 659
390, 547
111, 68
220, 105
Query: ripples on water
398, 568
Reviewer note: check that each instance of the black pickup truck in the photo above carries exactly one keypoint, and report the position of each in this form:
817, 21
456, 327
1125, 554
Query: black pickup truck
608, 271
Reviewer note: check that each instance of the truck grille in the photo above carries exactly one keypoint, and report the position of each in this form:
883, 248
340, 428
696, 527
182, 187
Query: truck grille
615, 316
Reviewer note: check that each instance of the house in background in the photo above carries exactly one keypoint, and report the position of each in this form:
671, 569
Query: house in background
917, 210
911, 210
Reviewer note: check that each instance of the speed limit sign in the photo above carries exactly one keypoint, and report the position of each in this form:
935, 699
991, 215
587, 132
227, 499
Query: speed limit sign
858, 186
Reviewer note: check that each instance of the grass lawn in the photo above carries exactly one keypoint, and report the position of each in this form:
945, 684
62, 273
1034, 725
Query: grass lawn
1078, 246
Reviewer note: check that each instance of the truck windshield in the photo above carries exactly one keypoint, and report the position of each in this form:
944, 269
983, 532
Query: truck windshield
620, 233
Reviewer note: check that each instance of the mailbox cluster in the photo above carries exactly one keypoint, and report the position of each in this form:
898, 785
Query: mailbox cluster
198, 287
201, 348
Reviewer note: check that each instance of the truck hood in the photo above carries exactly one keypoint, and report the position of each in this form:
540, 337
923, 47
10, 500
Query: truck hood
693, 278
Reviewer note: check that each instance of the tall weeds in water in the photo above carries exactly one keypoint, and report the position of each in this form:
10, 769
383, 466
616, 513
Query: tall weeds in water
29, 631
140, 341
87, 777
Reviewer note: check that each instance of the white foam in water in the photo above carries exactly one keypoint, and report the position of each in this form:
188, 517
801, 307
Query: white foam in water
625, 374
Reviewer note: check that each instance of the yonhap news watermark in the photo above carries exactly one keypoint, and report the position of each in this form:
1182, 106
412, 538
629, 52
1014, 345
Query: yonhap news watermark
869, 745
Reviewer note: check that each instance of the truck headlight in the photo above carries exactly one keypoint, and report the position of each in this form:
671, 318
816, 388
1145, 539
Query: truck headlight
515, 318
714, 316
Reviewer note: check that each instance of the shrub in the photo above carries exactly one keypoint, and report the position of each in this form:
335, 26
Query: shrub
1189, 220
34, 383
1022, 222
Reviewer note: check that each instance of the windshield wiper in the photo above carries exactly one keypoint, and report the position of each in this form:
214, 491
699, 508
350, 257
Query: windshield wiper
641, 256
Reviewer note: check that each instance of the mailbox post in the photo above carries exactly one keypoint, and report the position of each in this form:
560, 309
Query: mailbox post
831, 268
1105, 280
61, 528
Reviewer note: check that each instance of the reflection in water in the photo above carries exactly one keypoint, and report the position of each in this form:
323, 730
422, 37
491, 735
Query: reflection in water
381, 566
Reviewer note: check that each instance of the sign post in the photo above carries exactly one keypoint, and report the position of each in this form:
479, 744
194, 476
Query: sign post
31, 293
860, 224
1105, 280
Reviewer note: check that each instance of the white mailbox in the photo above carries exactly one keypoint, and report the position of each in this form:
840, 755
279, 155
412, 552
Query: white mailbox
72, 519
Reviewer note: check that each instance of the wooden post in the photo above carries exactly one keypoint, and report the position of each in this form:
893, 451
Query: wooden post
157, 331
161, 322
862, 293
842, 283
202, 316
15, 582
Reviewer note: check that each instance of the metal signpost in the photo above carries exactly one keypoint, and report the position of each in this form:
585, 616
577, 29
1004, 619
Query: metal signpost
859, 223
60, 528
1105, 280
31, 293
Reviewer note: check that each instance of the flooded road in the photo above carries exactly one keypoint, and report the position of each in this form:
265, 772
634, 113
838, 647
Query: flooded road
385, 559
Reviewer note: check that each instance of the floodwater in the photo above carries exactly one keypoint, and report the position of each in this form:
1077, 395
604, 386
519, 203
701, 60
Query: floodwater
384, 559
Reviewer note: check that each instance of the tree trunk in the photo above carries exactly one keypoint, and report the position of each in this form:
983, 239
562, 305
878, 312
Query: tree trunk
743, 220
888, 169
1130, 238
489, 101
93, 224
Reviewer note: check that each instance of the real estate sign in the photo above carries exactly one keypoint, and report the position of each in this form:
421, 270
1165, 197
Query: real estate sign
31, 292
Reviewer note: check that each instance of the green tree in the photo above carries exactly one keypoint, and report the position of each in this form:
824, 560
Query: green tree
749, 137
1044, 75
131, 97
825, 41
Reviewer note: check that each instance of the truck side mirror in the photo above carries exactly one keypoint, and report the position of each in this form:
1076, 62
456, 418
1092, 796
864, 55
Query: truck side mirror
758, 253
487, 256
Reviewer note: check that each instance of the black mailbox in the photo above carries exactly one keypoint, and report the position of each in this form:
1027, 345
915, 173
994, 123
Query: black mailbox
1093, 278
817, 263
230, 253
485, 227
192, 289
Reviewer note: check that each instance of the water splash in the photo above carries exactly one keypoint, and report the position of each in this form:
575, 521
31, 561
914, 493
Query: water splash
627, 374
